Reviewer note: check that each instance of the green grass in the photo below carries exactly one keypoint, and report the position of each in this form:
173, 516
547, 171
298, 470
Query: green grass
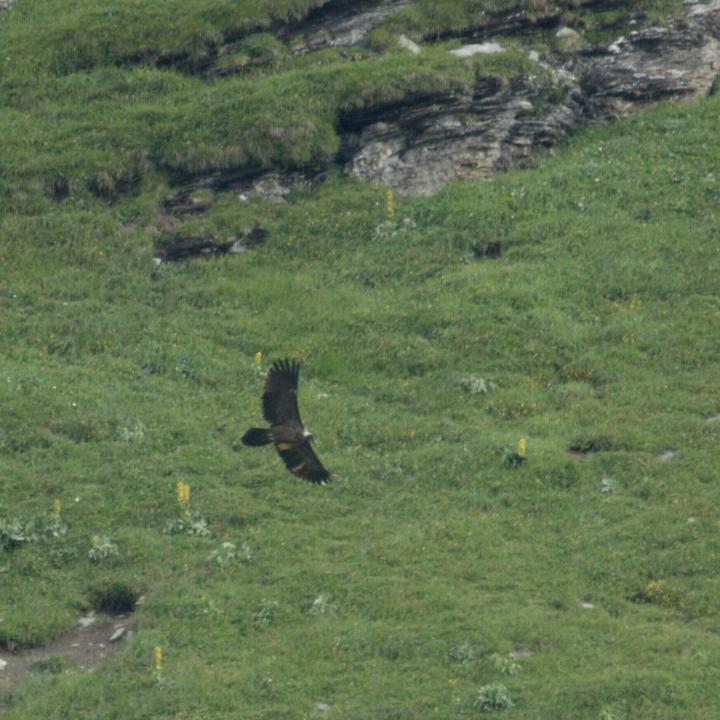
593, 330
87, 107
47, 36
106, 131
594, 326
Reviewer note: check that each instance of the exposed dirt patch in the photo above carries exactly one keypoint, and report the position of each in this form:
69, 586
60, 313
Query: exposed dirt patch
487, 250
175, 246
96, 638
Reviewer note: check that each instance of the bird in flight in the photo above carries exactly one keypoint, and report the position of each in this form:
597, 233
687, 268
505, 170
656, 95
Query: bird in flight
292, 440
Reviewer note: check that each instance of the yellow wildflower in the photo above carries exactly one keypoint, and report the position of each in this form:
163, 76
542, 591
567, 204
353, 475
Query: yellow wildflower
158, 660
258, 358
521, 447
390, 202
183, 493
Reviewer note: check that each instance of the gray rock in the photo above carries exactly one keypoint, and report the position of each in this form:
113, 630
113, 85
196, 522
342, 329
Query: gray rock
569, 40
6, 4
408, 44
566, 32
486, 48
521, 653
119, 633
698, 9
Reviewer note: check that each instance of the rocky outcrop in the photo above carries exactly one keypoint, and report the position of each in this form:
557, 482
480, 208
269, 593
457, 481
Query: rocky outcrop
650, 65
416, 148
6, 4
420, 144
426, 140
339, 23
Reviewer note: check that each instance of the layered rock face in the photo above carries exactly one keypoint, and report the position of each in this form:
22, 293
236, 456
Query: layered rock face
424, 142
419, 144
340, 23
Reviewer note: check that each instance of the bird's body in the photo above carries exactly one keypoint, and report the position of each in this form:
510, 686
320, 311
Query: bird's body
290, 437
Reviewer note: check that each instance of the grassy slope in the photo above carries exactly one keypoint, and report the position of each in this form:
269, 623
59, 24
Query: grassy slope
86, 104
118, 381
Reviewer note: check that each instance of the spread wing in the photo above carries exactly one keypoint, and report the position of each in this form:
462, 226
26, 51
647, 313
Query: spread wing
301, 460
279, 398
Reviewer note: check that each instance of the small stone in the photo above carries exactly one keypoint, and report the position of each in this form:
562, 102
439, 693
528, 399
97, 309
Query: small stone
521, 653
569, 39
486, 48
713, 419
608, 485
3, 664
587, 605
323, 707
534, 55
566, 32
408, 44
118, 634
617, 46
703, 9
667, 455
237, 247
86, 620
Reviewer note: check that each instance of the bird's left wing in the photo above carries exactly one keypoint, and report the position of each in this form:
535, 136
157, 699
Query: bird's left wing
279, 398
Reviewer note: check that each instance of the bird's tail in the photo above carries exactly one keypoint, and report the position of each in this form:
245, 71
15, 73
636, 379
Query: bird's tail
256, 437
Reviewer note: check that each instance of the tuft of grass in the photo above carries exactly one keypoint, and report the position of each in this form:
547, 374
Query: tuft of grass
114, 597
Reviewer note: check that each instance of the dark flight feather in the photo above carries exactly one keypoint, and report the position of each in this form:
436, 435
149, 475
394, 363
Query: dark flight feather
280, 409
280, 395
255, 437
301, 460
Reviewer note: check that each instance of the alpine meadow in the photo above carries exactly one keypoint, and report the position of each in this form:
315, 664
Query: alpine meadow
514, 381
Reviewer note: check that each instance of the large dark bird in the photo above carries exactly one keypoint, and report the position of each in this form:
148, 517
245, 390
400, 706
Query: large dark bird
280, 409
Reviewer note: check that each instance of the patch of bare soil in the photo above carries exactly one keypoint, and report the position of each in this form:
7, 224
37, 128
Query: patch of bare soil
96, 638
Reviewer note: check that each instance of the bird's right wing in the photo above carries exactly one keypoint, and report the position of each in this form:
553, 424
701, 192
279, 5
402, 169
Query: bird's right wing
301, 460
